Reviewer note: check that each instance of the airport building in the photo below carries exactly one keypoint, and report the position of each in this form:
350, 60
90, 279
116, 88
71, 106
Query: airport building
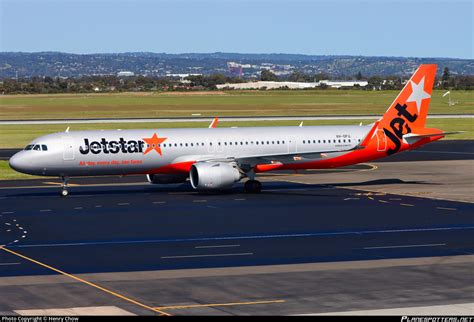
291, 85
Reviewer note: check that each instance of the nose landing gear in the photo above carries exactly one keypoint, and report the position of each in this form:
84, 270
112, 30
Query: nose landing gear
64, 191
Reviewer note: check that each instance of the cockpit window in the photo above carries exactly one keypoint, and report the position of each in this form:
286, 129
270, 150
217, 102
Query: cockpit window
37, 147
44, 147
29, 147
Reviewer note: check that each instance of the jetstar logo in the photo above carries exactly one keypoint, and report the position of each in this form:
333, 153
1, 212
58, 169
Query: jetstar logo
123, 146
399, 126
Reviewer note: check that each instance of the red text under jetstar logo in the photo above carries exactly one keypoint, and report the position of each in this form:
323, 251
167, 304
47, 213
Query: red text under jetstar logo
121, 145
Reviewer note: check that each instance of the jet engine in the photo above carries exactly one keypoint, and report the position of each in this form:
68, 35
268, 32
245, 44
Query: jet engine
166, 178
213, 175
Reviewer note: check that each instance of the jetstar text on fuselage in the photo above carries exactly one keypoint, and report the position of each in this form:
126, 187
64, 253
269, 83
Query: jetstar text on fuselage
104, 146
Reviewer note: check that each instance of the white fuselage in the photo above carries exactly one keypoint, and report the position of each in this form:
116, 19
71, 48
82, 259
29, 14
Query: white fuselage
107, 152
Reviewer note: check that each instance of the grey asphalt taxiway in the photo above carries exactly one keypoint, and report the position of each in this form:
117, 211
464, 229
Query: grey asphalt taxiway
385, 235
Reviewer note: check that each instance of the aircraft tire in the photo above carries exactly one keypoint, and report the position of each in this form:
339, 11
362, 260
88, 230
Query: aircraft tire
253, 186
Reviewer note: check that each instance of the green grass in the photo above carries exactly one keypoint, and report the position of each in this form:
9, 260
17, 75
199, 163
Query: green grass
227, 103
17, 136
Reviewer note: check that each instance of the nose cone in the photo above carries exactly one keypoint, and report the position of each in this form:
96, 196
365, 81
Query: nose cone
19, 162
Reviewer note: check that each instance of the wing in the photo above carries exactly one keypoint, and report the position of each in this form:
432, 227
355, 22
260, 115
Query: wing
290, 156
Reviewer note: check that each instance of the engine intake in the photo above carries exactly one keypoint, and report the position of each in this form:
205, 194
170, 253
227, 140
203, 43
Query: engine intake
166, 178
213, 175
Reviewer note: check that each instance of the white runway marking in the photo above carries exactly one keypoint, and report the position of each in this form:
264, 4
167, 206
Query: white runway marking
217, 246
200, 200
158, 202
7, 264
7, 212
405, 246
444, 208
123, 204
210, 255
76, 311
44, 210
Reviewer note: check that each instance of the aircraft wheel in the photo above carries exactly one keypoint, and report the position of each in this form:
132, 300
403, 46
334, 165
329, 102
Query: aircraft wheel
253, 186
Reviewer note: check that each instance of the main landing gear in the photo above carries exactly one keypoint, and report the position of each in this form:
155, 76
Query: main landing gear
64, 191
252, 186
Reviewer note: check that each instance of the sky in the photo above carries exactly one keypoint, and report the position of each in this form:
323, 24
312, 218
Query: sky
409, 28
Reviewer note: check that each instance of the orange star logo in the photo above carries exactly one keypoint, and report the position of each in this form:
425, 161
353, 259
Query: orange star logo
154, 143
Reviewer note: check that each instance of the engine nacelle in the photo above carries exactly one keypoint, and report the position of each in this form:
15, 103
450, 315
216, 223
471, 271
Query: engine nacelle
166, 178
213, 175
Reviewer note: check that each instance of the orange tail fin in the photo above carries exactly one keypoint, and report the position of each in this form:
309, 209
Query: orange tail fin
409, 110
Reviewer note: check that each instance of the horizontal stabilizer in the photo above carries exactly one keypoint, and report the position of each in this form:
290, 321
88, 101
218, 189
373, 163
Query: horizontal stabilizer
413, 137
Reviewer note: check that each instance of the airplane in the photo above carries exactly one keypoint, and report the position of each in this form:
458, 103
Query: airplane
215, 159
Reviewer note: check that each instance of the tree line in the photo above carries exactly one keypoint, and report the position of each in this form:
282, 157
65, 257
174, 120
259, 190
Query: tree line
91, 84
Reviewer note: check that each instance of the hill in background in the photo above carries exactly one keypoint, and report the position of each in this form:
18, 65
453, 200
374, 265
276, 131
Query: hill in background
54, 64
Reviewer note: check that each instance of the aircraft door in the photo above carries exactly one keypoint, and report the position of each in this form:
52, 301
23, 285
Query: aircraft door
292, 145
68, 152
381, 141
